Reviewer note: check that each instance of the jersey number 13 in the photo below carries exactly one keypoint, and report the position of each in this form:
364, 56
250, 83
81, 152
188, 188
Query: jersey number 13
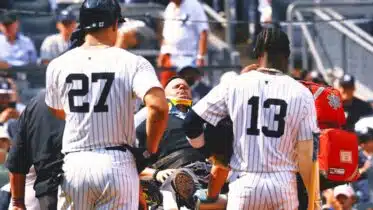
101, 104
279, 118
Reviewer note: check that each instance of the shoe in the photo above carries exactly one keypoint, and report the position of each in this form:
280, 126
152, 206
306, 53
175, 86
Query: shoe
184, 185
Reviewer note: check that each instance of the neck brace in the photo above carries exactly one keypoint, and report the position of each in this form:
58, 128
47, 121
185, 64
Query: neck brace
179, 101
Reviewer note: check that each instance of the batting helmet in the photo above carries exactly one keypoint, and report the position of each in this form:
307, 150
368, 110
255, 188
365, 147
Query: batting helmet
99, 14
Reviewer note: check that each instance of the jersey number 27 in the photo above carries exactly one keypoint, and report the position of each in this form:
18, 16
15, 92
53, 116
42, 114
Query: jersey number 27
279, 118
101, 104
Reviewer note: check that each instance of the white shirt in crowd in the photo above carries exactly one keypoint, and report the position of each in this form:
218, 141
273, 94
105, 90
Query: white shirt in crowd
53, 46
180, 33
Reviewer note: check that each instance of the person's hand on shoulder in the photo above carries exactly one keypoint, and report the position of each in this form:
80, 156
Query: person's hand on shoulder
249, 68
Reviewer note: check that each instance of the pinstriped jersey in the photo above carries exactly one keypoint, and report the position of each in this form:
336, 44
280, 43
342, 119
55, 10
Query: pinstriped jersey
96, 88
270, 113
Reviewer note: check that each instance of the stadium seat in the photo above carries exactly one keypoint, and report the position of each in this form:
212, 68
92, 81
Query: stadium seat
32, 5
31, 25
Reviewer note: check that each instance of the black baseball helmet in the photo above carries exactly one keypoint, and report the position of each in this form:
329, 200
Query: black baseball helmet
99, 14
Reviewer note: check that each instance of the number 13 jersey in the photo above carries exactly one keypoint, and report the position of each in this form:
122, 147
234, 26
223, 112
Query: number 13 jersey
270, 113
95, 87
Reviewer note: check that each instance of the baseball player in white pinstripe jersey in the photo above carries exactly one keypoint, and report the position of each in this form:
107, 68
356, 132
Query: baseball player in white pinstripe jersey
92, 88
274, 119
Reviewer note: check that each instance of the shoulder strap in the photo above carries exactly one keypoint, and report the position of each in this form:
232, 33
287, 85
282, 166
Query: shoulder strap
318, 92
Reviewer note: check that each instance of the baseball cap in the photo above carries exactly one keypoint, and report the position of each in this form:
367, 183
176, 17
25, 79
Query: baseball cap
344, 190
346, 80
65, 15
364, 129
8, 18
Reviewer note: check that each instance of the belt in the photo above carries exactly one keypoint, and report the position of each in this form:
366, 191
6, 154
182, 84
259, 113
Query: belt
118, 148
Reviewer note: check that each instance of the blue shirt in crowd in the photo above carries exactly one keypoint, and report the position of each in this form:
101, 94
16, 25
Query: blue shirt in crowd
20, 53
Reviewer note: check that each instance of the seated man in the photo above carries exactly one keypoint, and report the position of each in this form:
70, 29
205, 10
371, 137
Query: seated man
16, 48
175, 152
54, 45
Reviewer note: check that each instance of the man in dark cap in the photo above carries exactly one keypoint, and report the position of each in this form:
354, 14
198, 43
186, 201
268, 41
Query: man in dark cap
54, 45
354, 107
16, 48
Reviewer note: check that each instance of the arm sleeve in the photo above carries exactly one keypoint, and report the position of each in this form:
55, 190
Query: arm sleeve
308, 125
212, 108
144, 78
201, 18
19, 158
52, 98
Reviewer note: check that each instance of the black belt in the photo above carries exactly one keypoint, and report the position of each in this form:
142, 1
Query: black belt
118, 148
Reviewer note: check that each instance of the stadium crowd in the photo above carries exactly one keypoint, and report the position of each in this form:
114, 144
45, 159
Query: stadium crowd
183, 46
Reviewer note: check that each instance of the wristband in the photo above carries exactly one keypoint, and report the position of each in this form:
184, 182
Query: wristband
155, 174
18, 201
202, 57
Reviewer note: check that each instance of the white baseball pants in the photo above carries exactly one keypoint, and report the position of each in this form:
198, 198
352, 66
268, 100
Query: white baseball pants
100, 180
264, 191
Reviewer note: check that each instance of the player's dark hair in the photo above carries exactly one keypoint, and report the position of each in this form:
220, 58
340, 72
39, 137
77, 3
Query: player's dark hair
274, 42
172, 78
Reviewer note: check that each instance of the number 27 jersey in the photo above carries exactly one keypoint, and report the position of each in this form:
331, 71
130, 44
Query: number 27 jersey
270, 113
96, 87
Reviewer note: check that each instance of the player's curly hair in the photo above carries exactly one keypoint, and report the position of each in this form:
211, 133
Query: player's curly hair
274, 42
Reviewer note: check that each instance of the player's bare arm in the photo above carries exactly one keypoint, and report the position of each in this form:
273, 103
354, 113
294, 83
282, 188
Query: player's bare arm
304, 150
218, 177
17, 181
202, 48
155, 101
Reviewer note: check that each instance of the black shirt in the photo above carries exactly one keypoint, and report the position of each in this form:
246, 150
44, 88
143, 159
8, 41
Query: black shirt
38, 142
173, 138
354, 111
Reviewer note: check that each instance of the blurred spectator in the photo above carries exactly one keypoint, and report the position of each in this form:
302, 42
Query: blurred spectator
135, 34
57, 5
183, 39
364, 187
55, 45
355, 108
345, 196
192, 75
316, 77
5, 143
16, 49
9, 106
330, 202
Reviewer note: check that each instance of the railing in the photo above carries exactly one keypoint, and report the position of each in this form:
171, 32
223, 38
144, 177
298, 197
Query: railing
333, 42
